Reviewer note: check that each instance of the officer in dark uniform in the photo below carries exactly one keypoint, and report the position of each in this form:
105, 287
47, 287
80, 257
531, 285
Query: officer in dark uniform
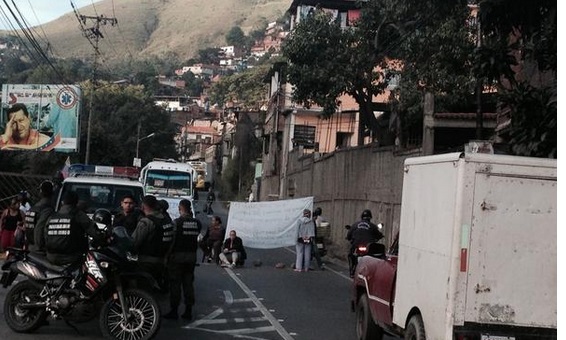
37, 218
182, 261
153, 239
163, 207
362, 232
129, 216
66, 239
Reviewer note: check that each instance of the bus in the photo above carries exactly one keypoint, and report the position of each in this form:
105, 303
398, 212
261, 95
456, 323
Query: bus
169, 180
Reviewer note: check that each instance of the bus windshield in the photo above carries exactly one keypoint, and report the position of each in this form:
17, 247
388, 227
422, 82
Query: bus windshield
168, 183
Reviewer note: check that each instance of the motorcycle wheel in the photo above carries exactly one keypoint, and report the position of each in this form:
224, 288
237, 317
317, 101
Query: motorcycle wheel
143, 321
23, 320
366, 328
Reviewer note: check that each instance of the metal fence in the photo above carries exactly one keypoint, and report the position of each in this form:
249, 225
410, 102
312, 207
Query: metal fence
13, 183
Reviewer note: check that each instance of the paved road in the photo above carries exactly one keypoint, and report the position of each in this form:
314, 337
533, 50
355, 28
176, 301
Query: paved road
252, 302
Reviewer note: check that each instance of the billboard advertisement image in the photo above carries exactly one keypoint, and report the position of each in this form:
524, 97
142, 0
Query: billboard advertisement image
40, 117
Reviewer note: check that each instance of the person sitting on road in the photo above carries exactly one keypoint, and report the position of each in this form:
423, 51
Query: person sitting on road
233, 252
212, 240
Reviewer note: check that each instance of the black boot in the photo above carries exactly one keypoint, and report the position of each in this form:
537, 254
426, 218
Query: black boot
188, 314
172, 315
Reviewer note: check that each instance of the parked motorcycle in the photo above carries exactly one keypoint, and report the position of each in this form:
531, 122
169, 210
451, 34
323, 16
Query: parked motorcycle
108, 282
362, 250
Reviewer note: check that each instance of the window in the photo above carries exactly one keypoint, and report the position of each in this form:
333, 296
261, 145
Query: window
304, 136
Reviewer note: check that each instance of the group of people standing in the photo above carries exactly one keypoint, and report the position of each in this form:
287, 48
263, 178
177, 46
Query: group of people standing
166, 248
19, 212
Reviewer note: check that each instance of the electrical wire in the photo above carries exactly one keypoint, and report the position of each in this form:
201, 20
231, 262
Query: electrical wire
24, 27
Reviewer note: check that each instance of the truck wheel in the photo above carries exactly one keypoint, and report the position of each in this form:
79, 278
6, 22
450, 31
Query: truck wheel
366, 328
415, 328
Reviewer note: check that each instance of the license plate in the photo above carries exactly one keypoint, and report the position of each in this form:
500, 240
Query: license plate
496, 337
320, 245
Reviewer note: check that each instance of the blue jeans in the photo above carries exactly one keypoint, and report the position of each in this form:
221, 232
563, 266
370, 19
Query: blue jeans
303, 256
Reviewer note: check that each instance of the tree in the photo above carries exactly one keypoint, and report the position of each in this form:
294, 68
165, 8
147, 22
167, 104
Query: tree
246, 88
117, 111
326, 61
208, 56
519, 55
236, 37
193, 85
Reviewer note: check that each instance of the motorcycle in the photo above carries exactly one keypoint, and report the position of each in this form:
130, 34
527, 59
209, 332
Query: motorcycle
362, 249
108, 282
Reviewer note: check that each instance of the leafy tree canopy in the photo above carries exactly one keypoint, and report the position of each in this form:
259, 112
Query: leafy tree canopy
326, 61
246, 88
117, 111
236, 37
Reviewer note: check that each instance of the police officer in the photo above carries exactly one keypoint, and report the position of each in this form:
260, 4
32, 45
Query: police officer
66, 239
163, 207
38, 217
182, 261
153, 239
362, 232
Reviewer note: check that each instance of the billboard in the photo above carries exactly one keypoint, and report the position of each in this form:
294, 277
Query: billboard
40, 117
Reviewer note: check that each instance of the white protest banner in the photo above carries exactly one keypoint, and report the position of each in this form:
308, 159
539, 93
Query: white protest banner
267, 225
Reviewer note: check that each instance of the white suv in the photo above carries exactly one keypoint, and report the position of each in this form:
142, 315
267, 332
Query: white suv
97, 191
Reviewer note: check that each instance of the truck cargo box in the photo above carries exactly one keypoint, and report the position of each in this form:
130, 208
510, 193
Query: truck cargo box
477, 243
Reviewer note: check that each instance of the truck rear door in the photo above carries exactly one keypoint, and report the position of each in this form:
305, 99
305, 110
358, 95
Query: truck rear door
511, 275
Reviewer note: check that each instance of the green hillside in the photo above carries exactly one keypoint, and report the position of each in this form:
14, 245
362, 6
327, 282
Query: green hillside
155, 27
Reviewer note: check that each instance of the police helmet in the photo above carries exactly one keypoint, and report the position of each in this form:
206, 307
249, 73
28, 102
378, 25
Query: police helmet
102, 217
366, 215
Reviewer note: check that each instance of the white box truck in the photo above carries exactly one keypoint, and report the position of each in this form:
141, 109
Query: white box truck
475, 256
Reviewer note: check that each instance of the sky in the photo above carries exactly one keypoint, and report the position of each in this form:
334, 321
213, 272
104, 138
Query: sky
39, 12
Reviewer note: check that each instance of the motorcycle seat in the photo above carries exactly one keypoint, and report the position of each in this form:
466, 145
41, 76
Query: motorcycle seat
44, 262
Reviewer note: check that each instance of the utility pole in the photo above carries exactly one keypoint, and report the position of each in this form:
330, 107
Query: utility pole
93, 33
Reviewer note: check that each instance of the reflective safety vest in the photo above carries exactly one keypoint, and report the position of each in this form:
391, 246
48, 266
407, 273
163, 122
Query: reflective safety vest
162, 237
30, 221
65, 236
186, 237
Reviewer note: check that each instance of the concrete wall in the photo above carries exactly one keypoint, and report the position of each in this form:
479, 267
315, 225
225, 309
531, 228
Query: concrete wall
346, 182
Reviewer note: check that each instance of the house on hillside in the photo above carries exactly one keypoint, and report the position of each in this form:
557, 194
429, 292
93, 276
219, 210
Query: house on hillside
199, 70
272, 40
196, 136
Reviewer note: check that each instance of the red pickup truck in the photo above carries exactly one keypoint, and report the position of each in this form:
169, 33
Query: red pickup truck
373, 291
475, 255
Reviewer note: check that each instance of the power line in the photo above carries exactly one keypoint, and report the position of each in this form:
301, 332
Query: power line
92, 33
39, 56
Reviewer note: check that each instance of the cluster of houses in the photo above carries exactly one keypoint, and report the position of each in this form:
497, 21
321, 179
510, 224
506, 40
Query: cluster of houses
283, 125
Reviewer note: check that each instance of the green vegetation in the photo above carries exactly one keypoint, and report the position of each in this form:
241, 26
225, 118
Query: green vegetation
436, 44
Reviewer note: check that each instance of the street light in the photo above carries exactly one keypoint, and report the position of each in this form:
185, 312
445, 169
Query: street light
137, 160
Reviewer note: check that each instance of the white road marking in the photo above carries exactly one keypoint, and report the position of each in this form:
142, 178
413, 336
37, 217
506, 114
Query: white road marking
235, 320
284, 334
210, 316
